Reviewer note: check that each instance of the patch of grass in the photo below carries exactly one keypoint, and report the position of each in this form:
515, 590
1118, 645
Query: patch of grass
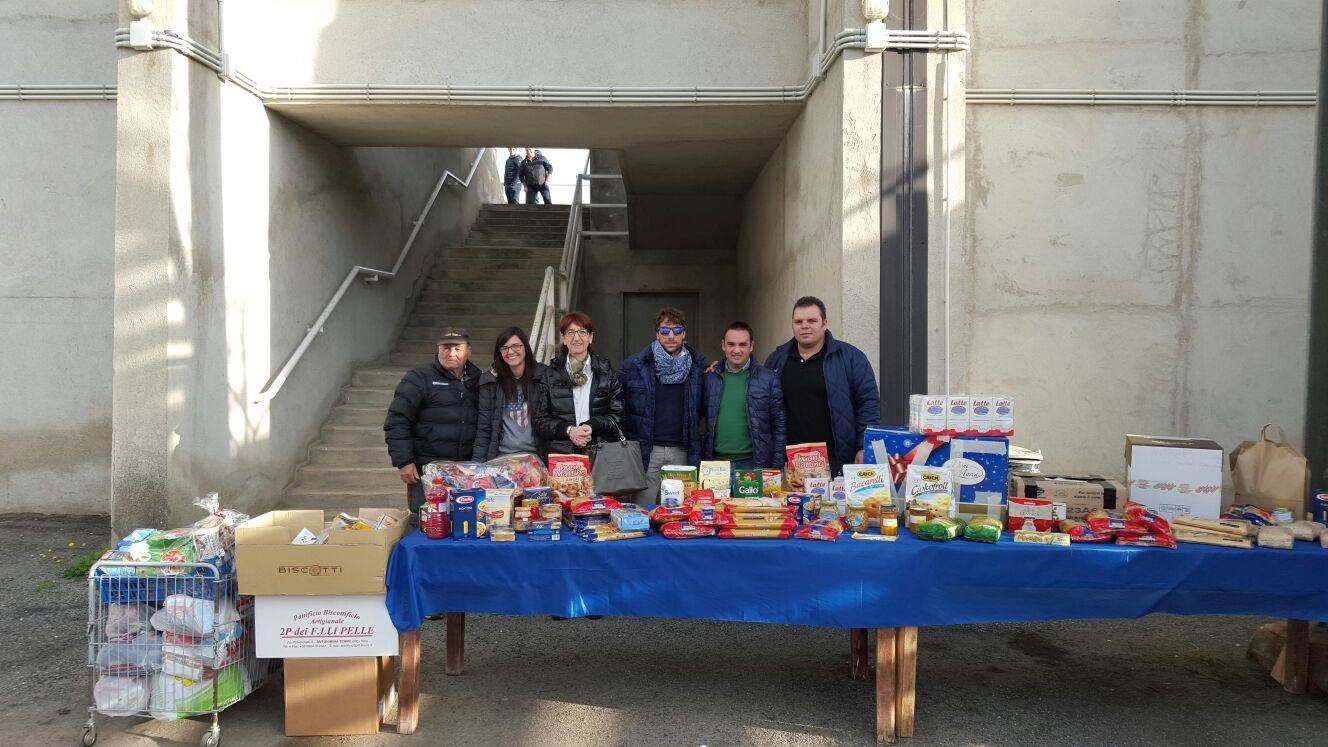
79, 566
44, 586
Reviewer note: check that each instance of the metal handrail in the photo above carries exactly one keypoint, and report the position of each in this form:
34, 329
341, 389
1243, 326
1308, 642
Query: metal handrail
370, 274
560, 283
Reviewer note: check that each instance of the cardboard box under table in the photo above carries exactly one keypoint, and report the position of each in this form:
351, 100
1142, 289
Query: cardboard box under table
338, 697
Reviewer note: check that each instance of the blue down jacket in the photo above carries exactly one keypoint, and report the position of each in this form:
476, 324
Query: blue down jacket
638, 382
765, 415
850, 386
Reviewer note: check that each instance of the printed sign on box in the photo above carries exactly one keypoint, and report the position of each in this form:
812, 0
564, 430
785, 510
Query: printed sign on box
320, 627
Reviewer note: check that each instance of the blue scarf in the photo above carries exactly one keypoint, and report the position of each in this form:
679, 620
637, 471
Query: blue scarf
670, 369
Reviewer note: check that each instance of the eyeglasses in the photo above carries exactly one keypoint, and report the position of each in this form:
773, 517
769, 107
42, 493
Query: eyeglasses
577, 334
512, 349
675, 331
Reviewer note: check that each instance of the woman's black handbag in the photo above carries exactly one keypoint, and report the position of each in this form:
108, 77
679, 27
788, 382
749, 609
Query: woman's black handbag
615, 466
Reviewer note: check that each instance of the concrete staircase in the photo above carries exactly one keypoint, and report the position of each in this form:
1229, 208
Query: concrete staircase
491, 282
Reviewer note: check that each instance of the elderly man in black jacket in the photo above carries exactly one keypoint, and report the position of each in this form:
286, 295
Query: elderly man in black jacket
434, 412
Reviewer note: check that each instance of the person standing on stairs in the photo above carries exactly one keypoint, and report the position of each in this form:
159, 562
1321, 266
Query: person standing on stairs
535, 174
512, 177
580, 397
433, 413
506, 394
662, 386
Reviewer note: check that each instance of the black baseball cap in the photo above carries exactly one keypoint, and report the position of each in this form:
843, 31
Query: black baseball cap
453, 336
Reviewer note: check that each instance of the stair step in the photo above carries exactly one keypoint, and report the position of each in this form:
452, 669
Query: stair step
477, 321
353, 435
526, 209
379, 376
344, 414
350, 501
460, 305
484, 242
365, 395
350, 478
541, 224
342, 455
521, 286
516, 235
467, 266
480, 337
545, 254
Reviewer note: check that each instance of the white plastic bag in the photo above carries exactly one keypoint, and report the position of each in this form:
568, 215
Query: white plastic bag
124, 621
192, 616
121, 696
138, 655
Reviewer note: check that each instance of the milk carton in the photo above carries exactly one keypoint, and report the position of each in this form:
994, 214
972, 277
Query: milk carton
957, 417
931, 414
980, 413
1002, 418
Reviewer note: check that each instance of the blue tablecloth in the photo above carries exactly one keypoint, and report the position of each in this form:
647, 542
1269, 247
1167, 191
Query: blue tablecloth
849, 584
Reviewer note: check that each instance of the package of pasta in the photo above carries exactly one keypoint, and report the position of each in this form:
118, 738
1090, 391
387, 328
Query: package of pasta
745, 533
770, 505
1147, 540
772, 481
803, 461
764, 521
710, 516
940, 530
982, 529
1113, 523
1079, 531
596, 506
661, 515
827, 531
569, 476
1152, 520
685, 530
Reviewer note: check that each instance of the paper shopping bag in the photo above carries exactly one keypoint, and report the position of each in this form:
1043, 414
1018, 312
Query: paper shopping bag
1270, 474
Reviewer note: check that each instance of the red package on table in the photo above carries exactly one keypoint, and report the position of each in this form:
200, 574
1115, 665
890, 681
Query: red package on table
1079, 531
1113, 523
1147, 540
820, 530
710, 516
661, 515
597, 506
685, 530
1152, 520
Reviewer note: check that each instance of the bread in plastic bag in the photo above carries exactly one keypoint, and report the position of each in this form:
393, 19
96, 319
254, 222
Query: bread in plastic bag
121, 696
1307, 531
138, 655
1280, 538
124, 621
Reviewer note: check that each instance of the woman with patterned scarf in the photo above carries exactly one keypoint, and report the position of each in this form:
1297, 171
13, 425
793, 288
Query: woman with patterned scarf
580, 398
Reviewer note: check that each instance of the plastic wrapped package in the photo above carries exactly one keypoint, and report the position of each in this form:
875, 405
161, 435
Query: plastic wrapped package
1307, 531
135, 656
192, 616
216, 651
983, 529
177, 697
942, 529
122, 696
124, 621
1279, 538
526, 470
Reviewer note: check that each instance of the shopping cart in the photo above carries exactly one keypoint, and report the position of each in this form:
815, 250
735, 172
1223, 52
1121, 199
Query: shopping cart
168, 641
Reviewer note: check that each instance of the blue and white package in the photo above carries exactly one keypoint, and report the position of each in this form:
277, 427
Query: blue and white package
981, 464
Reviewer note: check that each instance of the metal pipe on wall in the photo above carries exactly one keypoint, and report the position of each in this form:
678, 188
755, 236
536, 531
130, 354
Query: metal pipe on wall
1316, 395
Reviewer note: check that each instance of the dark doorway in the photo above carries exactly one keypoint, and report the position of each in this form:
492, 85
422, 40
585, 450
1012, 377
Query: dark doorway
639, 311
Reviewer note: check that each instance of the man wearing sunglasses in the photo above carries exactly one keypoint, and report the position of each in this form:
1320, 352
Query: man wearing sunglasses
662, 393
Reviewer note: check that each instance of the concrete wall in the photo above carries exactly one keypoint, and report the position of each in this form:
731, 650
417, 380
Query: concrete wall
811, 221
57, 220
1137, 269
262, 221
519, 42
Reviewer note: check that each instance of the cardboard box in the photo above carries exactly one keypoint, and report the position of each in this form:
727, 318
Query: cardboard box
337, 697
289, 627
1175, 476
352, 562
981, 464
1079, 494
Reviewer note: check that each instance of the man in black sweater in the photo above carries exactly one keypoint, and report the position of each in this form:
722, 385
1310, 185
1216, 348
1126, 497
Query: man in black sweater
512, 177
434, 413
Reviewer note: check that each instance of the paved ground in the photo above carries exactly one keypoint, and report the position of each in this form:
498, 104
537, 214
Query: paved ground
1163, 679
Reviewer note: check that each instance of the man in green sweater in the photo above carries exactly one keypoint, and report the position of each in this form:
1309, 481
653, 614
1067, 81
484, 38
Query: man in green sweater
744, 407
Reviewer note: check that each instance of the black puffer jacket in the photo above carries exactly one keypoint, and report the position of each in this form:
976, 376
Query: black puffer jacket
489, 435
433, 416
555, 409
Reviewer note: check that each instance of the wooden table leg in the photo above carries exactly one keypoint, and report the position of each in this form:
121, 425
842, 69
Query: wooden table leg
885, 685
408, 688
859, 667
906, 678
456, 642
1297, 653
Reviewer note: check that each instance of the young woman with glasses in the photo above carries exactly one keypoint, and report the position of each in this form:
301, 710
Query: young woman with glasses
580, 396
507, 394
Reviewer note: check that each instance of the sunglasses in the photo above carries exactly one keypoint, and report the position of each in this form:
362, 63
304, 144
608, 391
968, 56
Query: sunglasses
675, 331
